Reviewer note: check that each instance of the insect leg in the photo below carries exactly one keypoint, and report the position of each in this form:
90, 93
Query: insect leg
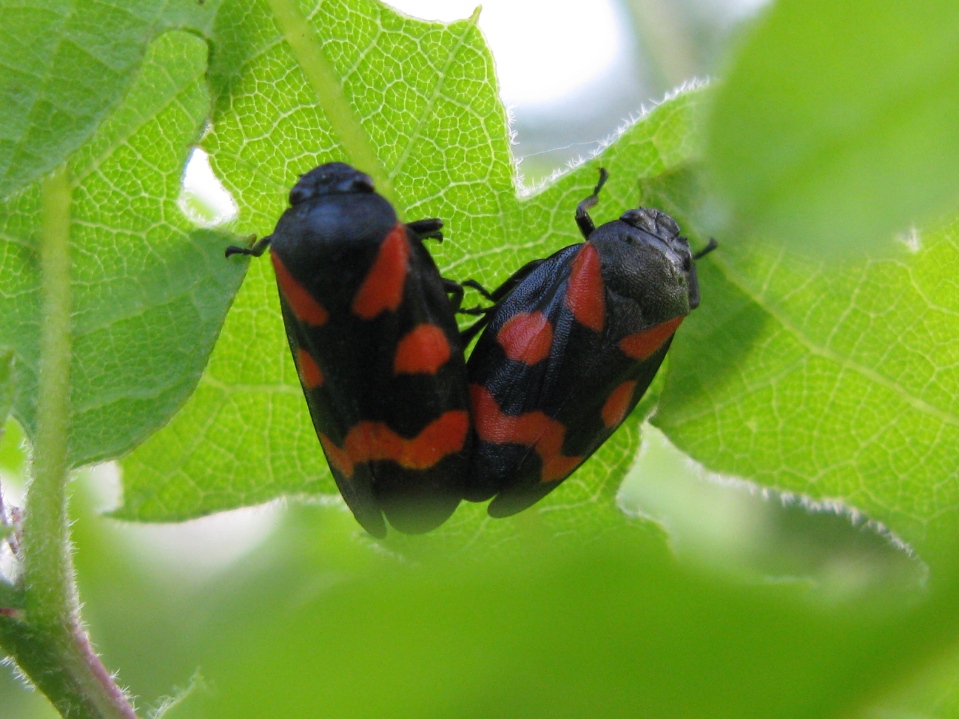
583, 219
455, 290
694, 278
256, 250
707, 249
427, 229
496, 297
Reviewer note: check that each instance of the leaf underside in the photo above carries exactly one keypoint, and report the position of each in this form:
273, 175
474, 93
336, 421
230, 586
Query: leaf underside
833, 377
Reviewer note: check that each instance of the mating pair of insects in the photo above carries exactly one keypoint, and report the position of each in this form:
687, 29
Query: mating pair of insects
410, 428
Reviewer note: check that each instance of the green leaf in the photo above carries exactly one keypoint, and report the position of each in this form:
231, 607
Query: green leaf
64, 67
834, 379
564, 632
421, 95
934, 693
149, 290
836, 124
830, 379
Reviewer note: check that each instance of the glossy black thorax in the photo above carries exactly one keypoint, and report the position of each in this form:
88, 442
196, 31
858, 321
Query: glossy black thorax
646, 262
328, 242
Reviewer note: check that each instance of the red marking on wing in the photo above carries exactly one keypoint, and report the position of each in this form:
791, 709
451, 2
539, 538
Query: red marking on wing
526, 337
643, 344
532, 429
338, 459
375, 441
382, 288
306, 309
423, 350
616, 405
585, 295
310, 373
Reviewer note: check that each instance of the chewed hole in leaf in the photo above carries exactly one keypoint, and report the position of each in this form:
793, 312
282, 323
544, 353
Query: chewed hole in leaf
203, 198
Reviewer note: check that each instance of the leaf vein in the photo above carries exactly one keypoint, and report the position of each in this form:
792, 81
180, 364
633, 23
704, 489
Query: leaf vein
843, 362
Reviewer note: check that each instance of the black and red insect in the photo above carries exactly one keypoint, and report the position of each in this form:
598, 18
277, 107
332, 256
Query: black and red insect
571, 345
372, 329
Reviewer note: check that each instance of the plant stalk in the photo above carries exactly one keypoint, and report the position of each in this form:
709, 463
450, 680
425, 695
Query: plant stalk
46, 638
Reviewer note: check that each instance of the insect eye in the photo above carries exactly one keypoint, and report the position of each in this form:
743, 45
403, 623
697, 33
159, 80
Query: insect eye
669, 223
637, 219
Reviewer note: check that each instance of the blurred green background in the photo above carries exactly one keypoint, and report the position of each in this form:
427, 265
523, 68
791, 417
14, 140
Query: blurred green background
224, 612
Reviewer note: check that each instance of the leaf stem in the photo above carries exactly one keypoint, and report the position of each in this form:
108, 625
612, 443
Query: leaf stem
46, 638
48, 571
307, 47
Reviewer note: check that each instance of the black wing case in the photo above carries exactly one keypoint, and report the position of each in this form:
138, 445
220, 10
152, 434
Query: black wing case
564, 361
377, 350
